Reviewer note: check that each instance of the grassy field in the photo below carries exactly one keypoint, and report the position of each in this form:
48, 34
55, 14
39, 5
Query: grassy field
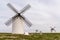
32, 36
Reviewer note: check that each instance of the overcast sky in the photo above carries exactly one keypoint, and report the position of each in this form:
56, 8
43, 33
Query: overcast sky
42, 14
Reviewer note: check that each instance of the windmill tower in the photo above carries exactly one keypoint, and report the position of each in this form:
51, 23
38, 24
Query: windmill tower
18, 20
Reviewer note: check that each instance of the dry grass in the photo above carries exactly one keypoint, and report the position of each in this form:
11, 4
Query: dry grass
32, 36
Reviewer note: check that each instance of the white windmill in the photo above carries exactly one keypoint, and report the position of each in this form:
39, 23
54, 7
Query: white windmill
18, 20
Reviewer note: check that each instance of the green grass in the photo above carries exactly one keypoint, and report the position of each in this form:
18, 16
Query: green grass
32, 36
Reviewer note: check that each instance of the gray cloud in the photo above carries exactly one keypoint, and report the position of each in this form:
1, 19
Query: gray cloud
42, 13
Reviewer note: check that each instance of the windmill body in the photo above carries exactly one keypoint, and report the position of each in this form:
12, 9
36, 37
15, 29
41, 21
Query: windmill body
18, 26
18, 20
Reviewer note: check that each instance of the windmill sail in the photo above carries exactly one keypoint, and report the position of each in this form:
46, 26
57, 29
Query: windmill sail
19, 15
25, 8
12, 8
26, 21
10, 21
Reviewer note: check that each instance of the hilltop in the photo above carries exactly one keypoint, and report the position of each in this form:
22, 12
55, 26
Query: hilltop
32, 36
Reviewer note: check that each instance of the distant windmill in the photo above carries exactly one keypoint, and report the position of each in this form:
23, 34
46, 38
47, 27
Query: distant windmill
52, 28
18, 20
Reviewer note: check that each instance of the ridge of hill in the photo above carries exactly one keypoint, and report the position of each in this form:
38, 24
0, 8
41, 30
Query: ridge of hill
31, 36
